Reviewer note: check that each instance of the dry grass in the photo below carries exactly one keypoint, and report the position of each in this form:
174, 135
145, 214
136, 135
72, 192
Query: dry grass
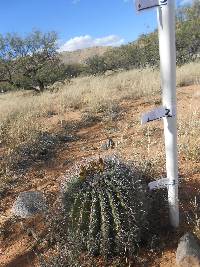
22, 113
188, 74
189, 138
19, 114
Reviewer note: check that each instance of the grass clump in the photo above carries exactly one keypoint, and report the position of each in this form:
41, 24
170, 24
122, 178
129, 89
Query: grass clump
189, 136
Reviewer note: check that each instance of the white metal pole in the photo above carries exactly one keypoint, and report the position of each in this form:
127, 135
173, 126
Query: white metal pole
167, 47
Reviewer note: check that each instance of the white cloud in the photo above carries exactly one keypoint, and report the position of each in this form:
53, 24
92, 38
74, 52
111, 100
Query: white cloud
86, 41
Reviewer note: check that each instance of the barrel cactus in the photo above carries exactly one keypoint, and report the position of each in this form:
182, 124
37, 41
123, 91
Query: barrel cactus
106, 206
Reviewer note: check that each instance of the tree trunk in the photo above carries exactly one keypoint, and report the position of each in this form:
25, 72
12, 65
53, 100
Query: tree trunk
41, 85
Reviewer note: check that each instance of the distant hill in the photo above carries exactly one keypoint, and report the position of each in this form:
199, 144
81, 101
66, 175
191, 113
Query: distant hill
80, 56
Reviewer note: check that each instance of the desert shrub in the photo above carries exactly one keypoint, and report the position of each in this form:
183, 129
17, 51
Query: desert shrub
30, 62
90, 118
106, 205
74, 70
96, 65
35, 151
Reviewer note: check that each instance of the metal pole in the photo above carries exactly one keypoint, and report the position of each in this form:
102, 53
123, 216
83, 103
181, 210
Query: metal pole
167, 47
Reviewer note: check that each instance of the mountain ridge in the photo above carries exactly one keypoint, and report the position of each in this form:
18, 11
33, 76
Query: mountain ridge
81, 55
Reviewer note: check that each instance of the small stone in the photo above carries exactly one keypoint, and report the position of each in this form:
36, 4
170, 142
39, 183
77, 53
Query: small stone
188, 251
104, 146
29, 204
108, 144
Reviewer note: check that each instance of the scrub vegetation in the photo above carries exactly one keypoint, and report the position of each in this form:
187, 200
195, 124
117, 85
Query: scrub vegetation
22, 113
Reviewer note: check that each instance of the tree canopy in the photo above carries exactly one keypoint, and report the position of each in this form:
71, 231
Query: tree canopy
144, 51
31, 62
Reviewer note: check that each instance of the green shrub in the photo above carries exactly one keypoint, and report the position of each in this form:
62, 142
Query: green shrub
106, 205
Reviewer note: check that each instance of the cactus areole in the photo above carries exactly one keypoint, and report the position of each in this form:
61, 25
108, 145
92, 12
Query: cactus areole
106, 205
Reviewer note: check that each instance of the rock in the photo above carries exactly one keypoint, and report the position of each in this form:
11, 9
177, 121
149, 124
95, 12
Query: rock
108, 144
188, 251
29, 204
104, 146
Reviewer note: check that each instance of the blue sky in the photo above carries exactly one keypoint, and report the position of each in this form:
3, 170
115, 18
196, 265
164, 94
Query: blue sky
79, 23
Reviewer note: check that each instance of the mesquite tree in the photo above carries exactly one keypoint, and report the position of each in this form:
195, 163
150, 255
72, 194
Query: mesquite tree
30, 62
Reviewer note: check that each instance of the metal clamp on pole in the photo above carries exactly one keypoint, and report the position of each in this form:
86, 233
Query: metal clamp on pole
162, 183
